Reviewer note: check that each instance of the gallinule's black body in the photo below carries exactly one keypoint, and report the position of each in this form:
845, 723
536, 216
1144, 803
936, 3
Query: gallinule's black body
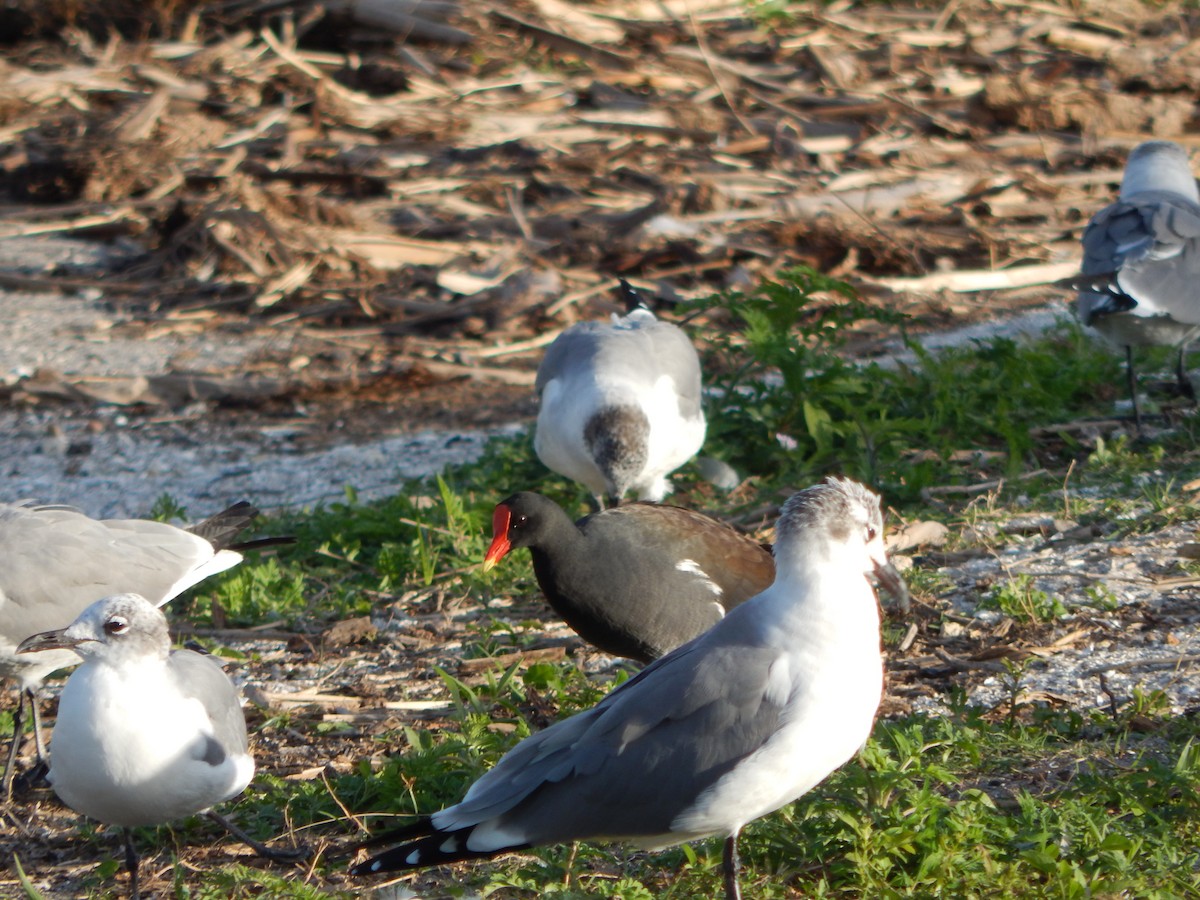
635, 580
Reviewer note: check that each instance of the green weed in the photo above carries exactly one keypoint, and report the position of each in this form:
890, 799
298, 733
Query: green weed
1020, 600
790, 404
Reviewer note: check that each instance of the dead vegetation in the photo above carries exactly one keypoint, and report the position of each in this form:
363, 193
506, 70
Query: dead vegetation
448, 179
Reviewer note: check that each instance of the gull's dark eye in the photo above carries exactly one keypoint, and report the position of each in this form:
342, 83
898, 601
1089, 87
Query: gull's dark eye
870, 533
116, 625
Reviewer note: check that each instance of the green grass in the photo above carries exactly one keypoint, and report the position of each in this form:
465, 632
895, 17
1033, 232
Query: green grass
1052, 805
1018, 599
793, 406
1026, 801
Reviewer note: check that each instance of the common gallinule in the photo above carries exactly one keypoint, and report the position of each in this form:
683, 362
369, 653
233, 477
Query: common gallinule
725, 729
57, 561
635, 580
1141, 260
144, 735
619, 405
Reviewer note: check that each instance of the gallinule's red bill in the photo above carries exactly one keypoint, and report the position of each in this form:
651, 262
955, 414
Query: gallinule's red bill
619, 405
635, 580
725, 729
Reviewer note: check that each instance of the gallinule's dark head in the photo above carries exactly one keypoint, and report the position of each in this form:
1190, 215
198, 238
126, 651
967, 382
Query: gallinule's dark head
525, 519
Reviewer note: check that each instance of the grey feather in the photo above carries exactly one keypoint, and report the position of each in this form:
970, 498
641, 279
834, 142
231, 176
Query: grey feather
646, 350
1142, 252
642, 733
199, 677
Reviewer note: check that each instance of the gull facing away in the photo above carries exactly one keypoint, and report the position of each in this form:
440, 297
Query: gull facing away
619, 404
144, 734
1138, 282
636, 580
727, 728
56, 562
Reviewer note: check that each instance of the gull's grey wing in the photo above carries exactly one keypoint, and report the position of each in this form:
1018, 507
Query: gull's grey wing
164, 558
200, 677
55, 561
1143, 252
665, 738
572, 351
643, 348
676, 356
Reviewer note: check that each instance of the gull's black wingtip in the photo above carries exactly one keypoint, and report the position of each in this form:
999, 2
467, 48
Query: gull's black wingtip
1105, 283
394, 857
434, 849
222, 528
385, 861
399, 858
282, 540
632, 297
367, 867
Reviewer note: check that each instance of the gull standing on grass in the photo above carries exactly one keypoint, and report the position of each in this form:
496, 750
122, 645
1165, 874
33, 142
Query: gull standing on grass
619, 404
727, 728
1139, 282
144, 734
55, 562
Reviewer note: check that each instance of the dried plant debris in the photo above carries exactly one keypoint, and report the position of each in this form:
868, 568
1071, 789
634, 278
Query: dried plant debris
317, 160
451, 182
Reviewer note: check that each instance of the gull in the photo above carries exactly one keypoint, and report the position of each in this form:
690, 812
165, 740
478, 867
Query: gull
57, 561
1141, 260
636, 580
144, 734
723, 730
619, 404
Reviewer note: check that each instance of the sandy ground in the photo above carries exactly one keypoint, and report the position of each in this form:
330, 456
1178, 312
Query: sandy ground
111, 460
